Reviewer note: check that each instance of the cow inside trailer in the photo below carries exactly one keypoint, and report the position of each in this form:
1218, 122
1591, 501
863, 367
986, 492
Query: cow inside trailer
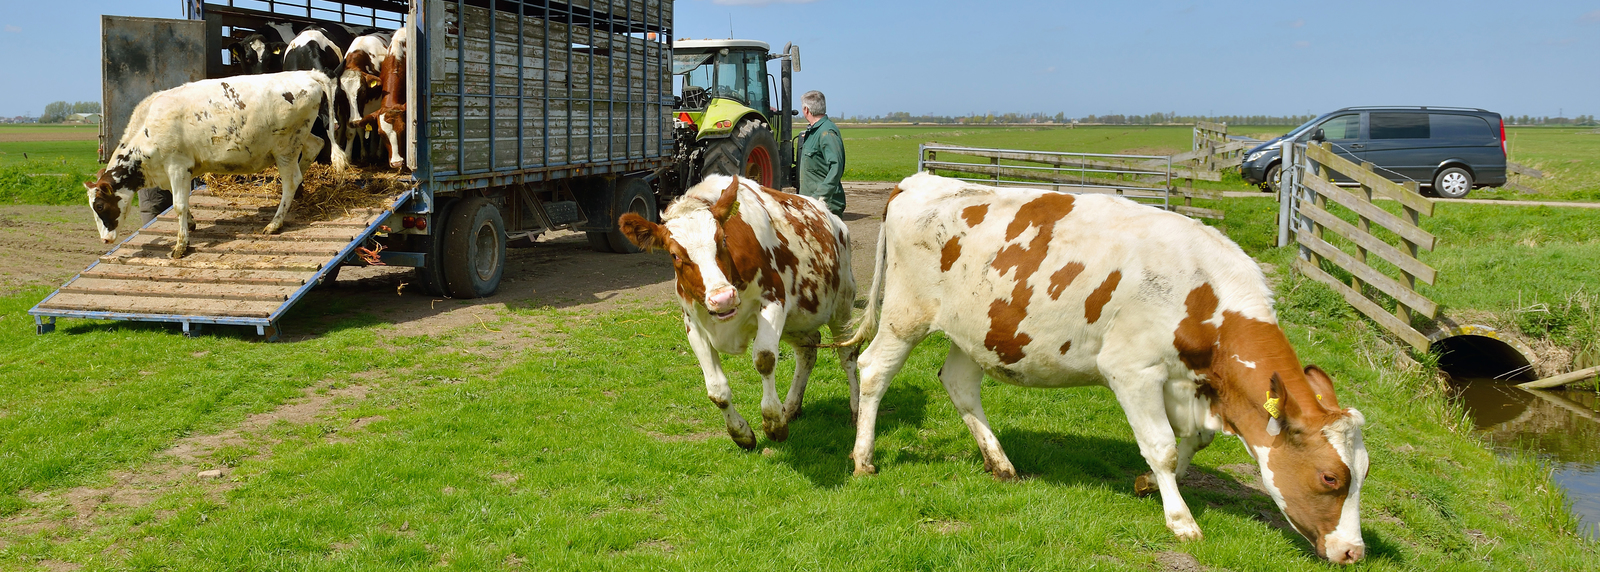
521, 117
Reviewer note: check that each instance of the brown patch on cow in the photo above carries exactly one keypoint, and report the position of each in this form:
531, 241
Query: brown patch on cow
289, 97
1063, 278
1006, 316
1097, 300
765, 362
974, 214
1065, 347
231, 94
895, 192
1195, 339
949, 254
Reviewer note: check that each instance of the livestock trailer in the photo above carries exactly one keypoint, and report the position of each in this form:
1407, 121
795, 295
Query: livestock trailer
523, 117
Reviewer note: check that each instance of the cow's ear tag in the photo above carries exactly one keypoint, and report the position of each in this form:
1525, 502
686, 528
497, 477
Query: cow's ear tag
276, 51
373, 84
1273, 428
369, 128
1271, 405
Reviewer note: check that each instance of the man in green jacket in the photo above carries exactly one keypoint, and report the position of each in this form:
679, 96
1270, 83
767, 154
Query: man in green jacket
821, 154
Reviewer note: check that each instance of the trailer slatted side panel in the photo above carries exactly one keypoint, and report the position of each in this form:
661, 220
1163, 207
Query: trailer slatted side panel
547, 86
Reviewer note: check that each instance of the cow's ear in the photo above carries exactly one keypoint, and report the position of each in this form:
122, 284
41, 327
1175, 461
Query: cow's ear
1274, 405
1323, 385
641, 232
728, 203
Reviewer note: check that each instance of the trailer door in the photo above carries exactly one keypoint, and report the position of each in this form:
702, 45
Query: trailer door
141, 56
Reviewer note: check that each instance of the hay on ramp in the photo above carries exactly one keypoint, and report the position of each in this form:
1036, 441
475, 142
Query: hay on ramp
325, 195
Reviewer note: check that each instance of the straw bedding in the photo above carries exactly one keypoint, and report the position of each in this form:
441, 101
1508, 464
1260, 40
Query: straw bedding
325, 195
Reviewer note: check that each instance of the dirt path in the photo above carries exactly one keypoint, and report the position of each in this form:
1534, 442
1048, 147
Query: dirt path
43, 245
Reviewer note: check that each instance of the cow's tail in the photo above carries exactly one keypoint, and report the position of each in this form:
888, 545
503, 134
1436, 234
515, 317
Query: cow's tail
330, 100
866, 325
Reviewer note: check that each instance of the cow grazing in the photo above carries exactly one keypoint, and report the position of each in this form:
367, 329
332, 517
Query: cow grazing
755, 266
1045, 289
360, 87
256, 54
241, 125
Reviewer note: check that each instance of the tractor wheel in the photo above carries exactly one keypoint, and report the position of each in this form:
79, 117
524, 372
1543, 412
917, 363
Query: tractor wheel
474, 249
750, 152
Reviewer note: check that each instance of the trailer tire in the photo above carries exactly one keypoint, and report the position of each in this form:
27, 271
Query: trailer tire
474, 249
599, 241
751, 152
430, 276
633, 196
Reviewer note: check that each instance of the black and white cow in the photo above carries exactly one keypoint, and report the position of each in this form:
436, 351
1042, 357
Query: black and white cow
311, 50
258, 54
236, 125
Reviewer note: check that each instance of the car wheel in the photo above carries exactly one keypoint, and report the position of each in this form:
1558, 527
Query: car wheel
1452, 183
1271, 184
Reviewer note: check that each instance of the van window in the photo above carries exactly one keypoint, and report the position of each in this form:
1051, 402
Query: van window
1342, 127
1465, 127
1399, 126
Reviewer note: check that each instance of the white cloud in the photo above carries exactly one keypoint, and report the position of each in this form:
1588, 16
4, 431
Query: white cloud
758, 2
1590, 18
12, 29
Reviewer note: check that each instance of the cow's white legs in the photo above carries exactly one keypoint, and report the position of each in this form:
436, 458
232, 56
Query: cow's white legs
805, 359
290, 175
963, 380
879, 364
1139, 393
717, 386
179, 178
769, 326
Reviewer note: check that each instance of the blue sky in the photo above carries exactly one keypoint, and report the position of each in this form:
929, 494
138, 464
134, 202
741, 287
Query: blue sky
1081, 58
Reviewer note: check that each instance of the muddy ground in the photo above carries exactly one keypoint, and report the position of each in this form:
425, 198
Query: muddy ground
47, 245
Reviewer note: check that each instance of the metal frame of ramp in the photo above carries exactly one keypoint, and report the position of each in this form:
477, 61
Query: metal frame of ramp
233, 274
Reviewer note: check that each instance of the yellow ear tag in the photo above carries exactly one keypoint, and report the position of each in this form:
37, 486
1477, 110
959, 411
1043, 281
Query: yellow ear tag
1319, 398
373, 84
369, 128
1271, 405
275, 51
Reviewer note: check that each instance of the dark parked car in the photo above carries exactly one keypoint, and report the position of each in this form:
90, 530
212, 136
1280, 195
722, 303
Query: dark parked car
1449, 149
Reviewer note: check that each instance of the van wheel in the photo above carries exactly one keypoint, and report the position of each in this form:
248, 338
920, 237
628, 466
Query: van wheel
1452, 183
474, 249
1271, 184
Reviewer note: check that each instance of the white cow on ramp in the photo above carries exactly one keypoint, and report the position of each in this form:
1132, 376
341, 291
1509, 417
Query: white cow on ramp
234, 125
1045, 289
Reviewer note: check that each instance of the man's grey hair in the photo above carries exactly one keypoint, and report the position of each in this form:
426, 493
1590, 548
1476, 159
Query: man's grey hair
814, 101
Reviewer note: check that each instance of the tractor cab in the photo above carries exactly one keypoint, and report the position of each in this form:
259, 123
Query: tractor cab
733, 117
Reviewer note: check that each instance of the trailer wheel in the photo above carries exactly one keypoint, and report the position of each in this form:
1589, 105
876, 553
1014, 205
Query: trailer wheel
430, 276
474, 249
633, 196
750, 152
599, 241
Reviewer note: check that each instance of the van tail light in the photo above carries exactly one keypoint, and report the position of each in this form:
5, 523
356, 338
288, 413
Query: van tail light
1503, 137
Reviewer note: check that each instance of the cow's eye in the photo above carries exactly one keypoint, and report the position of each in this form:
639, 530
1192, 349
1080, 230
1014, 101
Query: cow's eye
1329, 480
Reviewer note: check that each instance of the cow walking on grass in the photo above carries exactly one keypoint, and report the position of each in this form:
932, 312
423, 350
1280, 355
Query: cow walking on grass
235, 125
1045, 289
755, 266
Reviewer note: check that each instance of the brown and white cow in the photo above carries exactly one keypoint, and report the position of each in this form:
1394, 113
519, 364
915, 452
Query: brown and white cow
360, 87
1045, 289
755, 266
389, 119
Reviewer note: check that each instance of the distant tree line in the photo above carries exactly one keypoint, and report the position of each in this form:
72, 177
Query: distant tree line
1151, 119
59, 111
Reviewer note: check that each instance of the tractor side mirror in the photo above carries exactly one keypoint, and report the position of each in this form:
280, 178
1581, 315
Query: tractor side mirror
792, 52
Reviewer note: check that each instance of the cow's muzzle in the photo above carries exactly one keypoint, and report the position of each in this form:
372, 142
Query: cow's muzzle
723, 303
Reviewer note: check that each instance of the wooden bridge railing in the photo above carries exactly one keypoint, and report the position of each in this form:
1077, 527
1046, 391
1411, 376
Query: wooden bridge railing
1307, 211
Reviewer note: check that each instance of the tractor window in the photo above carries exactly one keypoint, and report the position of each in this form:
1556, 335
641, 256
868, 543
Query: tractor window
682, 63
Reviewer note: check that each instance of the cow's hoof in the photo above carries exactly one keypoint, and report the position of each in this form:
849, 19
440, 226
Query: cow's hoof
1144, 485
865, 470
1005, 475
774, 430
743, 437
1186, 532
271, 228
179, 250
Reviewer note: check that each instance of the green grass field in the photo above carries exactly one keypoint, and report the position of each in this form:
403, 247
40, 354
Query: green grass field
37, 169
594, 447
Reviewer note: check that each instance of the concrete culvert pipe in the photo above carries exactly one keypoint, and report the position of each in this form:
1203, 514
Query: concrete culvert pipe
1470, 356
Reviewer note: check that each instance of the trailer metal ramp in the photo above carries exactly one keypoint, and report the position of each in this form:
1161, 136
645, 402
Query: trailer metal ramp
233, 274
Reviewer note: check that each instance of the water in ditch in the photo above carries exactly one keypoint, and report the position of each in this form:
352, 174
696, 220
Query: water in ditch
1561, 426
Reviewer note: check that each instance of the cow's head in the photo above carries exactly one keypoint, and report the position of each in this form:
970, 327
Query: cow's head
1315, 462
110, 206
695, 234
360, 83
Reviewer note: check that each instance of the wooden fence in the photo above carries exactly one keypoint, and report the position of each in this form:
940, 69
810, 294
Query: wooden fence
1144, 178
1211, 149
1308, 202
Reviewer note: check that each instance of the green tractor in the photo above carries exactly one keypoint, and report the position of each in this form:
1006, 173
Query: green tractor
726, 122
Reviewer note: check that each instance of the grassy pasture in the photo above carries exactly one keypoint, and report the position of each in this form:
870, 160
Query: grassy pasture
46, 164
593, 447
